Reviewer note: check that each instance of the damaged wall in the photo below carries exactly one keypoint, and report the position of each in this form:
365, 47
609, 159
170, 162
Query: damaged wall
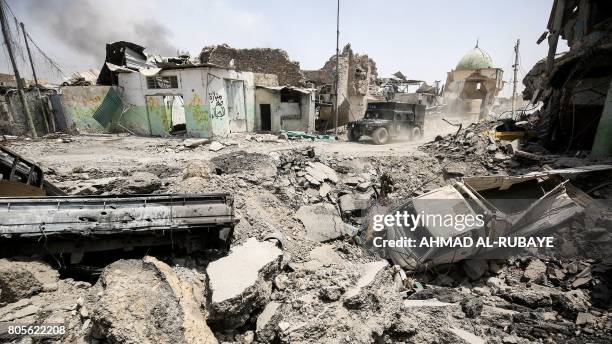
573, 86
13, 120
216, 102
80, 103
298, 115
356, 73
259, 60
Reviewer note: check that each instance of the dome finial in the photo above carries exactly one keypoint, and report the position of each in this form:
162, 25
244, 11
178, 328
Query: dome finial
477, 39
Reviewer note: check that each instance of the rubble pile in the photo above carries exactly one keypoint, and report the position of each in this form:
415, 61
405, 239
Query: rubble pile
349, 184
474, 150
294, 276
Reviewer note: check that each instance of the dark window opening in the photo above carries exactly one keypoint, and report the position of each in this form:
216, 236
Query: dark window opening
289, 96
158, 81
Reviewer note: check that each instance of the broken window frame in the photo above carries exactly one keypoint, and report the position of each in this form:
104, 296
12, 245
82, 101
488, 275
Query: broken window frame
162, 82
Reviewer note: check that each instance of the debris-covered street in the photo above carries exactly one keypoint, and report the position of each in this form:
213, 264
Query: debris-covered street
235, 196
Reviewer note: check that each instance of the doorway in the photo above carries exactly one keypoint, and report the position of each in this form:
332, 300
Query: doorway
265, 117
166, 114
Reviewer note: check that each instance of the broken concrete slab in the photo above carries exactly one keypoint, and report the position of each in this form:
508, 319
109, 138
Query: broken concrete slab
324, 189
368, 273
265, 328
317, 173
216, 146
191, 143
585, 318
528, 297
455, 168
327, 255
22, 279
242, 281
535, 271
347, 203
132, 295
321, 221
139, 183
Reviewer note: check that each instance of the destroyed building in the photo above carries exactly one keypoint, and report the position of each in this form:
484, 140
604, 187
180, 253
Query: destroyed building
257, 60
574, 87
151, 95
356, 74
472, 86
398, 88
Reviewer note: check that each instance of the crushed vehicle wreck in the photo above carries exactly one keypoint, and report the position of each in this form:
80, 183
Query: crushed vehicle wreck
386, 120
501, 208
20, 177
36, 217
78, 225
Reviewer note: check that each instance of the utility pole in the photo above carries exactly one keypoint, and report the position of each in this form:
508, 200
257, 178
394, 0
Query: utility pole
42, 105
337, 68
9, 48
25, 38
514, 82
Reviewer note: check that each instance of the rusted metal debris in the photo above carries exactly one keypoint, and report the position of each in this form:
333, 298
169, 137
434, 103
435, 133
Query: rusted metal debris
38, 218
78, 225
21, 177
513, 206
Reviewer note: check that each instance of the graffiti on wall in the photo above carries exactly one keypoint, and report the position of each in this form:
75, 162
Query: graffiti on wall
217, 108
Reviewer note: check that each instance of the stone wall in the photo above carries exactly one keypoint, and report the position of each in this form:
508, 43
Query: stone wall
361, 71
258, 60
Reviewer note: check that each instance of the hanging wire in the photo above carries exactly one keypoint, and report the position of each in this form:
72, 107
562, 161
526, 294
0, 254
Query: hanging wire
47, 69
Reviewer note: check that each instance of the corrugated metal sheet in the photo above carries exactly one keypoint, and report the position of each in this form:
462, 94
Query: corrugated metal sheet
110, 109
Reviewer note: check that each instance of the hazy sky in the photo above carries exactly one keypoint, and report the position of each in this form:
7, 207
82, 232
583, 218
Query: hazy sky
423, 39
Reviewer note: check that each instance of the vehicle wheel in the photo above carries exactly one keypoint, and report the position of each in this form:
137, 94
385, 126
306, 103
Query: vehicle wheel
416, 133
353, 135
380, 136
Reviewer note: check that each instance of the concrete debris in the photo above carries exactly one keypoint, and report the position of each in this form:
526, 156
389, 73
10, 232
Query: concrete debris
216, 146
235, 295
123, 305
197, 168
247, 164
192, 143
138, 183
265, 328
324, 189
467, 337
321, 222
317, 173
354, 297
22, 279
472, 307
535, 271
